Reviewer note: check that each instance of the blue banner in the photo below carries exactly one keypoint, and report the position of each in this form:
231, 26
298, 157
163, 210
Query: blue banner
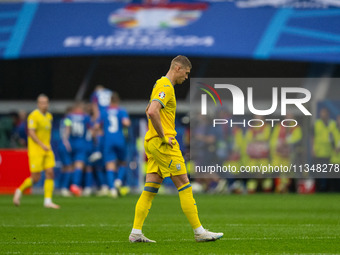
246, 29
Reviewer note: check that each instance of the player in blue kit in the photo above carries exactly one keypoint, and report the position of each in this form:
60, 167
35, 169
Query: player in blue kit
113, 120
64, 150
79, 123
100, 100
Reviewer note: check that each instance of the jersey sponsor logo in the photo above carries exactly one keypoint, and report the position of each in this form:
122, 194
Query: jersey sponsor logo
166, 85
161, 95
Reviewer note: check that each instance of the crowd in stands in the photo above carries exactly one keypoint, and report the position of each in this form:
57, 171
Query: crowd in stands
264, 145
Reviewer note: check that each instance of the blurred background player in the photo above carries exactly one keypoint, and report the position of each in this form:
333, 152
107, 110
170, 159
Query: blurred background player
113, 120
64, 149
40, 154
79, 124
91, 159
100, 99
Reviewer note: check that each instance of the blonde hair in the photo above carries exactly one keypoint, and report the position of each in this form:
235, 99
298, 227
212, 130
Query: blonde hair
182, 60
41, 96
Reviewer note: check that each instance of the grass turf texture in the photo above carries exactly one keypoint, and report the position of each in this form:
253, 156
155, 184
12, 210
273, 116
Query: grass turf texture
263, 224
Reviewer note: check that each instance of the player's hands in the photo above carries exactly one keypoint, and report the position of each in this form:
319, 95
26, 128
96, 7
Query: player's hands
169, 140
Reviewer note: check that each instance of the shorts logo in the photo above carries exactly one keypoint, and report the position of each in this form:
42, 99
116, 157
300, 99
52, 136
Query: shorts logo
161, 95
178, 166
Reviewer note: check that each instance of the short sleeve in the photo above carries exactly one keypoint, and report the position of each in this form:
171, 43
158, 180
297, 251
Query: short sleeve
32, 121
162, 94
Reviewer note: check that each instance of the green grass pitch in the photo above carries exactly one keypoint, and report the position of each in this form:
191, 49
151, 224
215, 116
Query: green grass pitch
252, 224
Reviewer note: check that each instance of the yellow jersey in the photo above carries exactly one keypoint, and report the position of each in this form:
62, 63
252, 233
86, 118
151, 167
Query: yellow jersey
164, 93
42, 125
323, 138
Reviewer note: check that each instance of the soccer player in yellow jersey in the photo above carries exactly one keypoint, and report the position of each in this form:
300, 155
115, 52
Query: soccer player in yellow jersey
40, 154
164, 156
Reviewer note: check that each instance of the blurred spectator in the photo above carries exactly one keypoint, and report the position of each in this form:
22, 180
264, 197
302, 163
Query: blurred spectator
257, 147
335, 158
20, 131
6, 128
236, 158
323, 143
205, 147
283, 143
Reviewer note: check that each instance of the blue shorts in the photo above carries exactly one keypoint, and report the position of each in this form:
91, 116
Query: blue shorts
64, 155
114, 151
79, 151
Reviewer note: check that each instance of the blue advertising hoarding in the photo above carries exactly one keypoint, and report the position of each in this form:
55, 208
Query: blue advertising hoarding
217, 29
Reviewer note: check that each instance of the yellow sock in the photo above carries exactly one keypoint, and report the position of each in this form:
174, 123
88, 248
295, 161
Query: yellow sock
144, 203
188, 205
48, 188
28, 182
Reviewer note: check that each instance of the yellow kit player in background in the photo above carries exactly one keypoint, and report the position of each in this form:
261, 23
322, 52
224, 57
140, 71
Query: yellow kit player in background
164, 156
40, 154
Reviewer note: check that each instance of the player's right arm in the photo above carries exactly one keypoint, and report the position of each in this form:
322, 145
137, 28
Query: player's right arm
154, 115
33, 135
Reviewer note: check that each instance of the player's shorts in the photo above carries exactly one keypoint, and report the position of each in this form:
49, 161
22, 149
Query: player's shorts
163, 159
113, 151
64, 155
79, 151
40, 162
